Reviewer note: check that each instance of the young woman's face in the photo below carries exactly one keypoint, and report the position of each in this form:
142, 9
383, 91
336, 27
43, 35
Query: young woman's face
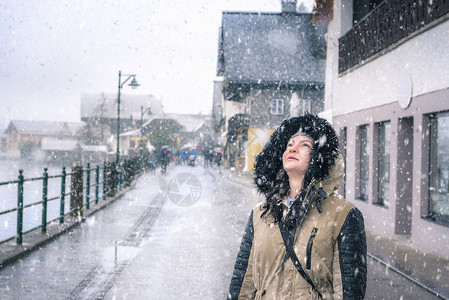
296, 157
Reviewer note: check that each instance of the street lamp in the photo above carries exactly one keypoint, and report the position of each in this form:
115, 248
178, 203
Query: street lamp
134, 85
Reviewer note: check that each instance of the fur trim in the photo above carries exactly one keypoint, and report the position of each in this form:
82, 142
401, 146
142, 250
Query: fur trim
269, 172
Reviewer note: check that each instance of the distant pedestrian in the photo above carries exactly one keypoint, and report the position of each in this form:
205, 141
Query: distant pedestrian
164, 159
304, 241
183, 157
210, 156
205, 153
192, 157
152, 162
218, 158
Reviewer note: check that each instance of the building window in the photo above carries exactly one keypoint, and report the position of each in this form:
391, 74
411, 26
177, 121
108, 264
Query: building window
363, 162
277, 107
383, 163
439, 167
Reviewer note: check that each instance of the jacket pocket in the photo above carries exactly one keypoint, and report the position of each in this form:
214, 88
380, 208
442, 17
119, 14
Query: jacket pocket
309, 248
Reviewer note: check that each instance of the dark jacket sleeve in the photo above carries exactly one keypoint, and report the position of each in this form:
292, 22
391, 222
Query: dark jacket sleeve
352, 256
242, 265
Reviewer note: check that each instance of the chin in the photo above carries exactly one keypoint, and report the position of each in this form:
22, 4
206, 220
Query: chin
290, 169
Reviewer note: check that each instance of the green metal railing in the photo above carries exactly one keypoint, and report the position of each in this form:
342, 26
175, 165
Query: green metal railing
83, 181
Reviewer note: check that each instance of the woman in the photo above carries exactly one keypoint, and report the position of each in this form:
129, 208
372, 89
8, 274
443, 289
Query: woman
304, 241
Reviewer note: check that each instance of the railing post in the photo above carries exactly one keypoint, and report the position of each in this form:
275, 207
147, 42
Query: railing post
120, 177
112, 179
20, 209
140, 162
88, 186
116, 178
129, 171
44, 201
121, 174
97, 183
125, 173
62, 197
104, 180
76, 194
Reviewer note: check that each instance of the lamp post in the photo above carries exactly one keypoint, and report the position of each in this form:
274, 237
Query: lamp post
134, 85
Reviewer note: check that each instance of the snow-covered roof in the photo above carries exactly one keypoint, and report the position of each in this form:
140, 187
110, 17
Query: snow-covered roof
258, 48
134, 132
55, 144
105, 105
190, 123
44, 128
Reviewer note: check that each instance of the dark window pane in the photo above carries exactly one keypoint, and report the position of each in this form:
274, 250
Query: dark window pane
439, 166
364, 162
383, 164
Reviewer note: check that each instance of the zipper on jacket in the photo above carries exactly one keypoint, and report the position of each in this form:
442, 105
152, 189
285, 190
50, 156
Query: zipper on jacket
309, 248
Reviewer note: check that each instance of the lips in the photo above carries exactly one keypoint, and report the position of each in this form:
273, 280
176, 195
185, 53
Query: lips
291, 157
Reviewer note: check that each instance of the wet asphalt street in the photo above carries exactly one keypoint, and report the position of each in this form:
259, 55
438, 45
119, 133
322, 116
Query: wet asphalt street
174, 236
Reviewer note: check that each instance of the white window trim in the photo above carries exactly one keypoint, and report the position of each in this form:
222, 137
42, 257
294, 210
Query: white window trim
277, 106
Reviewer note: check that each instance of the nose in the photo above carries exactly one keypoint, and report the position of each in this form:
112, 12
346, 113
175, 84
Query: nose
292, 149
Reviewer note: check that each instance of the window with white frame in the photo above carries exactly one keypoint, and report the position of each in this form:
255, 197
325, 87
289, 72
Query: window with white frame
439, 167
277, 107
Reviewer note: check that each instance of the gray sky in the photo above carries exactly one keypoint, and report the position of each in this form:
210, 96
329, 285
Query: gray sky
53, 51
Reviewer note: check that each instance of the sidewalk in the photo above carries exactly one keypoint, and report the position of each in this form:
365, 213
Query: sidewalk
428, 270
10, 251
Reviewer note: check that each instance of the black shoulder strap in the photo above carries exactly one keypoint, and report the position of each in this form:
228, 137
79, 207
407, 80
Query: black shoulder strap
291, 253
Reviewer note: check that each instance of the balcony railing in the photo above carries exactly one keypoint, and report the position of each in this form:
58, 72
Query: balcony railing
391, 22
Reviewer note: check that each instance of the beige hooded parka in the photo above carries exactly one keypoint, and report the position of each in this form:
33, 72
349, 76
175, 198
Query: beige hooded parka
329, 242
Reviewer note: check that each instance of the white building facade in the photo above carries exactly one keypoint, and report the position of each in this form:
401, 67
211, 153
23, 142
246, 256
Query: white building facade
387, 92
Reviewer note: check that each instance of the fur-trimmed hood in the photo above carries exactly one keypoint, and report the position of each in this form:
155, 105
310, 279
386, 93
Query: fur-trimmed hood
269, 173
